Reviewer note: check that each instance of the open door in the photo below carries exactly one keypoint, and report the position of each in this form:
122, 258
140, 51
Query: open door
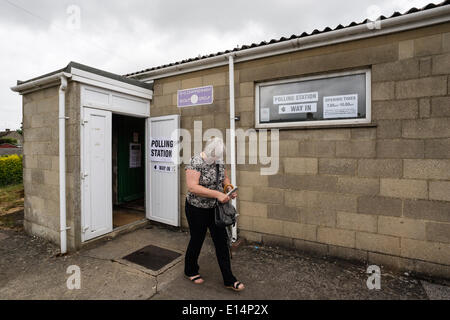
163, 203
96, 174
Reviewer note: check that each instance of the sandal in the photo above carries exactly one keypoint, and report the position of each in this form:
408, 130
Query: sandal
235, 286
195, 279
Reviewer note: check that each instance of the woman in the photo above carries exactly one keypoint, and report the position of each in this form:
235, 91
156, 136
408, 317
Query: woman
200, 201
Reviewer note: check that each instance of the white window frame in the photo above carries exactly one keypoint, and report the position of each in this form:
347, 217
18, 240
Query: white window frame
300, 124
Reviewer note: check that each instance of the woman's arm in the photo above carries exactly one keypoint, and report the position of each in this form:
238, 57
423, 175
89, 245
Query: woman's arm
192, 180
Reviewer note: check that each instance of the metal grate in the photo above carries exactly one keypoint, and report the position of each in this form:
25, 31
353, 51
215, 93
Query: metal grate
152, 257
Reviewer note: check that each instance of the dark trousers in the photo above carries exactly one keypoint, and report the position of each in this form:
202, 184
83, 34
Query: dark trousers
199, 220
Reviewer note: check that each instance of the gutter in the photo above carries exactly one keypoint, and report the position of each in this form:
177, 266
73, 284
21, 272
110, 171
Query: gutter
36, 85
392, 25
40, 83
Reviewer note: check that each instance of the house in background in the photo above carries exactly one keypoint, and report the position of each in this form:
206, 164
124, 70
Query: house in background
7, 146
8, 134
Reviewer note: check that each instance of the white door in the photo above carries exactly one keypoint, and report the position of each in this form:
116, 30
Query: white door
163, 198
96, 174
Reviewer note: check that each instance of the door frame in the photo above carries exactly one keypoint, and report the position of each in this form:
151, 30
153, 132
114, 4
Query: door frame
118, 103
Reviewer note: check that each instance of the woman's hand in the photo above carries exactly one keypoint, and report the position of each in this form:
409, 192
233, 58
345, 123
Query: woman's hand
222, 197
233, 195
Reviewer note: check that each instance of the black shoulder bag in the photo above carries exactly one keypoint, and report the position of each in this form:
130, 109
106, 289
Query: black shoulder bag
224, 213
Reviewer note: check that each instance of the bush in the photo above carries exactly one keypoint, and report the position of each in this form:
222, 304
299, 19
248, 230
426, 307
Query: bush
11, 170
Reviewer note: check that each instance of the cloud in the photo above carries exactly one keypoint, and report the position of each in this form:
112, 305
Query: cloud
127, 36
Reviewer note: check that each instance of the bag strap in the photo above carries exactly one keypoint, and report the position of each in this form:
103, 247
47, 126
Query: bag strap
217, 176
217, 181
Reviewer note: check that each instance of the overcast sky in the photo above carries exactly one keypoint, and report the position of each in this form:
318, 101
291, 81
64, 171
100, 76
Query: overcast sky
40, 36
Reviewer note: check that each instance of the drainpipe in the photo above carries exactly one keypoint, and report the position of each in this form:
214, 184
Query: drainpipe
233, 136
62, 164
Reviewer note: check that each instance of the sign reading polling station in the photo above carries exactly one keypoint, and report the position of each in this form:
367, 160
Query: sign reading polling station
296, 98
161, 149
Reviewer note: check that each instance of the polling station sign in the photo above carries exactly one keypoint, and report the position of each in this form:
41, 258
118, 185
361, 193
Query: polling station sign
195, 96
162, 149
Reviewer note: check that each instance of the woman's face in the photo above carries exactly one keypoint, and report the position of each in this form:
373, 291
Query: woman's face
213, 157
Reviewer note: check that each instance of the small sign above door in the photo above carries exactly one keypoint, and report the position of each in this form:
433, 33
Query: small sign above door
195, 96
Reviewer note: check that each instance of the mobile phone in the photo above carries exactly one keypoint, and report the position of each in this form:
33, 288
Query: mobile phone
232, 191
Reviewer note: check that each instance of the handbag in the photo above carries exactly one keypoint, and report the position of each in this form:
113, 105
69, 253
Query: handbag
224, 213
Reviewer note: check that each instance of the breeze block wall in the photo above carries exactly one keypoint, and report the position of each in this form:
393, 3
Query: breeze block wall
378, 193
41, 163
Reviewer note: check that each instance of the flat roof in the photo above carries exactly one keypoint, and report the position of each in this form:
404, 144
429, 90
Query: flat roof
99, 72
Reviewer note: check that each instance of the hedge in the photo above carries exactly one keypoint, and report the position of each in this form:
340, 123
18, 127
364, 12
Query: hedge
10, 170
8, 140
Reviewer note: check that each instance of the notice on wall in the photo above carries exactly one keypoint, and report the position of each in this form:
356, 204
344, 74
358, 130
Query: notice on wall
135, 155
195, 96
340, 106
297, 108
164, 168
161, 149
296, 98
265, 115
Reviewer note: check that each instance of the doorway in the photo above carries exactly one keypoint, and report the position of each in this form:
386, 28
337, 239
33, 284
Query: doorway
128, 169
116, 174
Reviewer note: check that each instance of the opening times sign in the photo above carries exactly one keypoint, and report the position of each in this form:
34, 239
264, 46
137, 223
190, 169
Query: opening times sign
162, 149
345, 106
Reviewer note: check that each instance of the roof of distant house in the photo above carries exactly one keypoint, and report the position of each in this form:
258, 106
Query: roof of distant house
7, 145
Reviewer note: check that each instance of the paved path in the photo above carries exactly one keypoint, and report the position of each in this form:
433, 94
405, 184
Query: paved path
29, 269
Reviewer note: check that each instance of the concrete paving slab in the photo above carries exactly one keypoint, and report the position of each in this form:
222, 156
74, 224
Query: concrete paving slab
100, 280
436, 291
29, 269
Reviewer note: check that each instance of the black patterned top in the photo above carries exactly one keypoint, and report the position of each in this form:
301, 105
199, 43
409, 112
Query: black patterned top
207, 179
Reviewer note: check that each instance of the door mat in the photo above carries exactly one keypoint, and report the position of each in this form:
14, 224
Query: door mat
152, 257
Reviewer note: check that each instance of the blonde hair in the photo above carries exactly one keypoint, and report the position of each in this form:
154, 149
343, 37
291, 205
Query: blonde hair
214, 148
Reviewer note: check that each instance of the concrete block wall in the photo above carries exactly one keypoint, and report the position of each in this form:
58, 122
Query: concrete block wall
41, 162
379, 193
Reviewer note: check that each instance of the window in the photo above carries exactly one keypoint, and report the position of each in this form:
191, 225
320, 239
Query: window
331, 99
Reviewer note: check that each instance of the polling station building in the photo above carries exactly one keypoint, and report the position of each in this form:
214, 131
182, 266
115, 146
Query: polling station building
363, 119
